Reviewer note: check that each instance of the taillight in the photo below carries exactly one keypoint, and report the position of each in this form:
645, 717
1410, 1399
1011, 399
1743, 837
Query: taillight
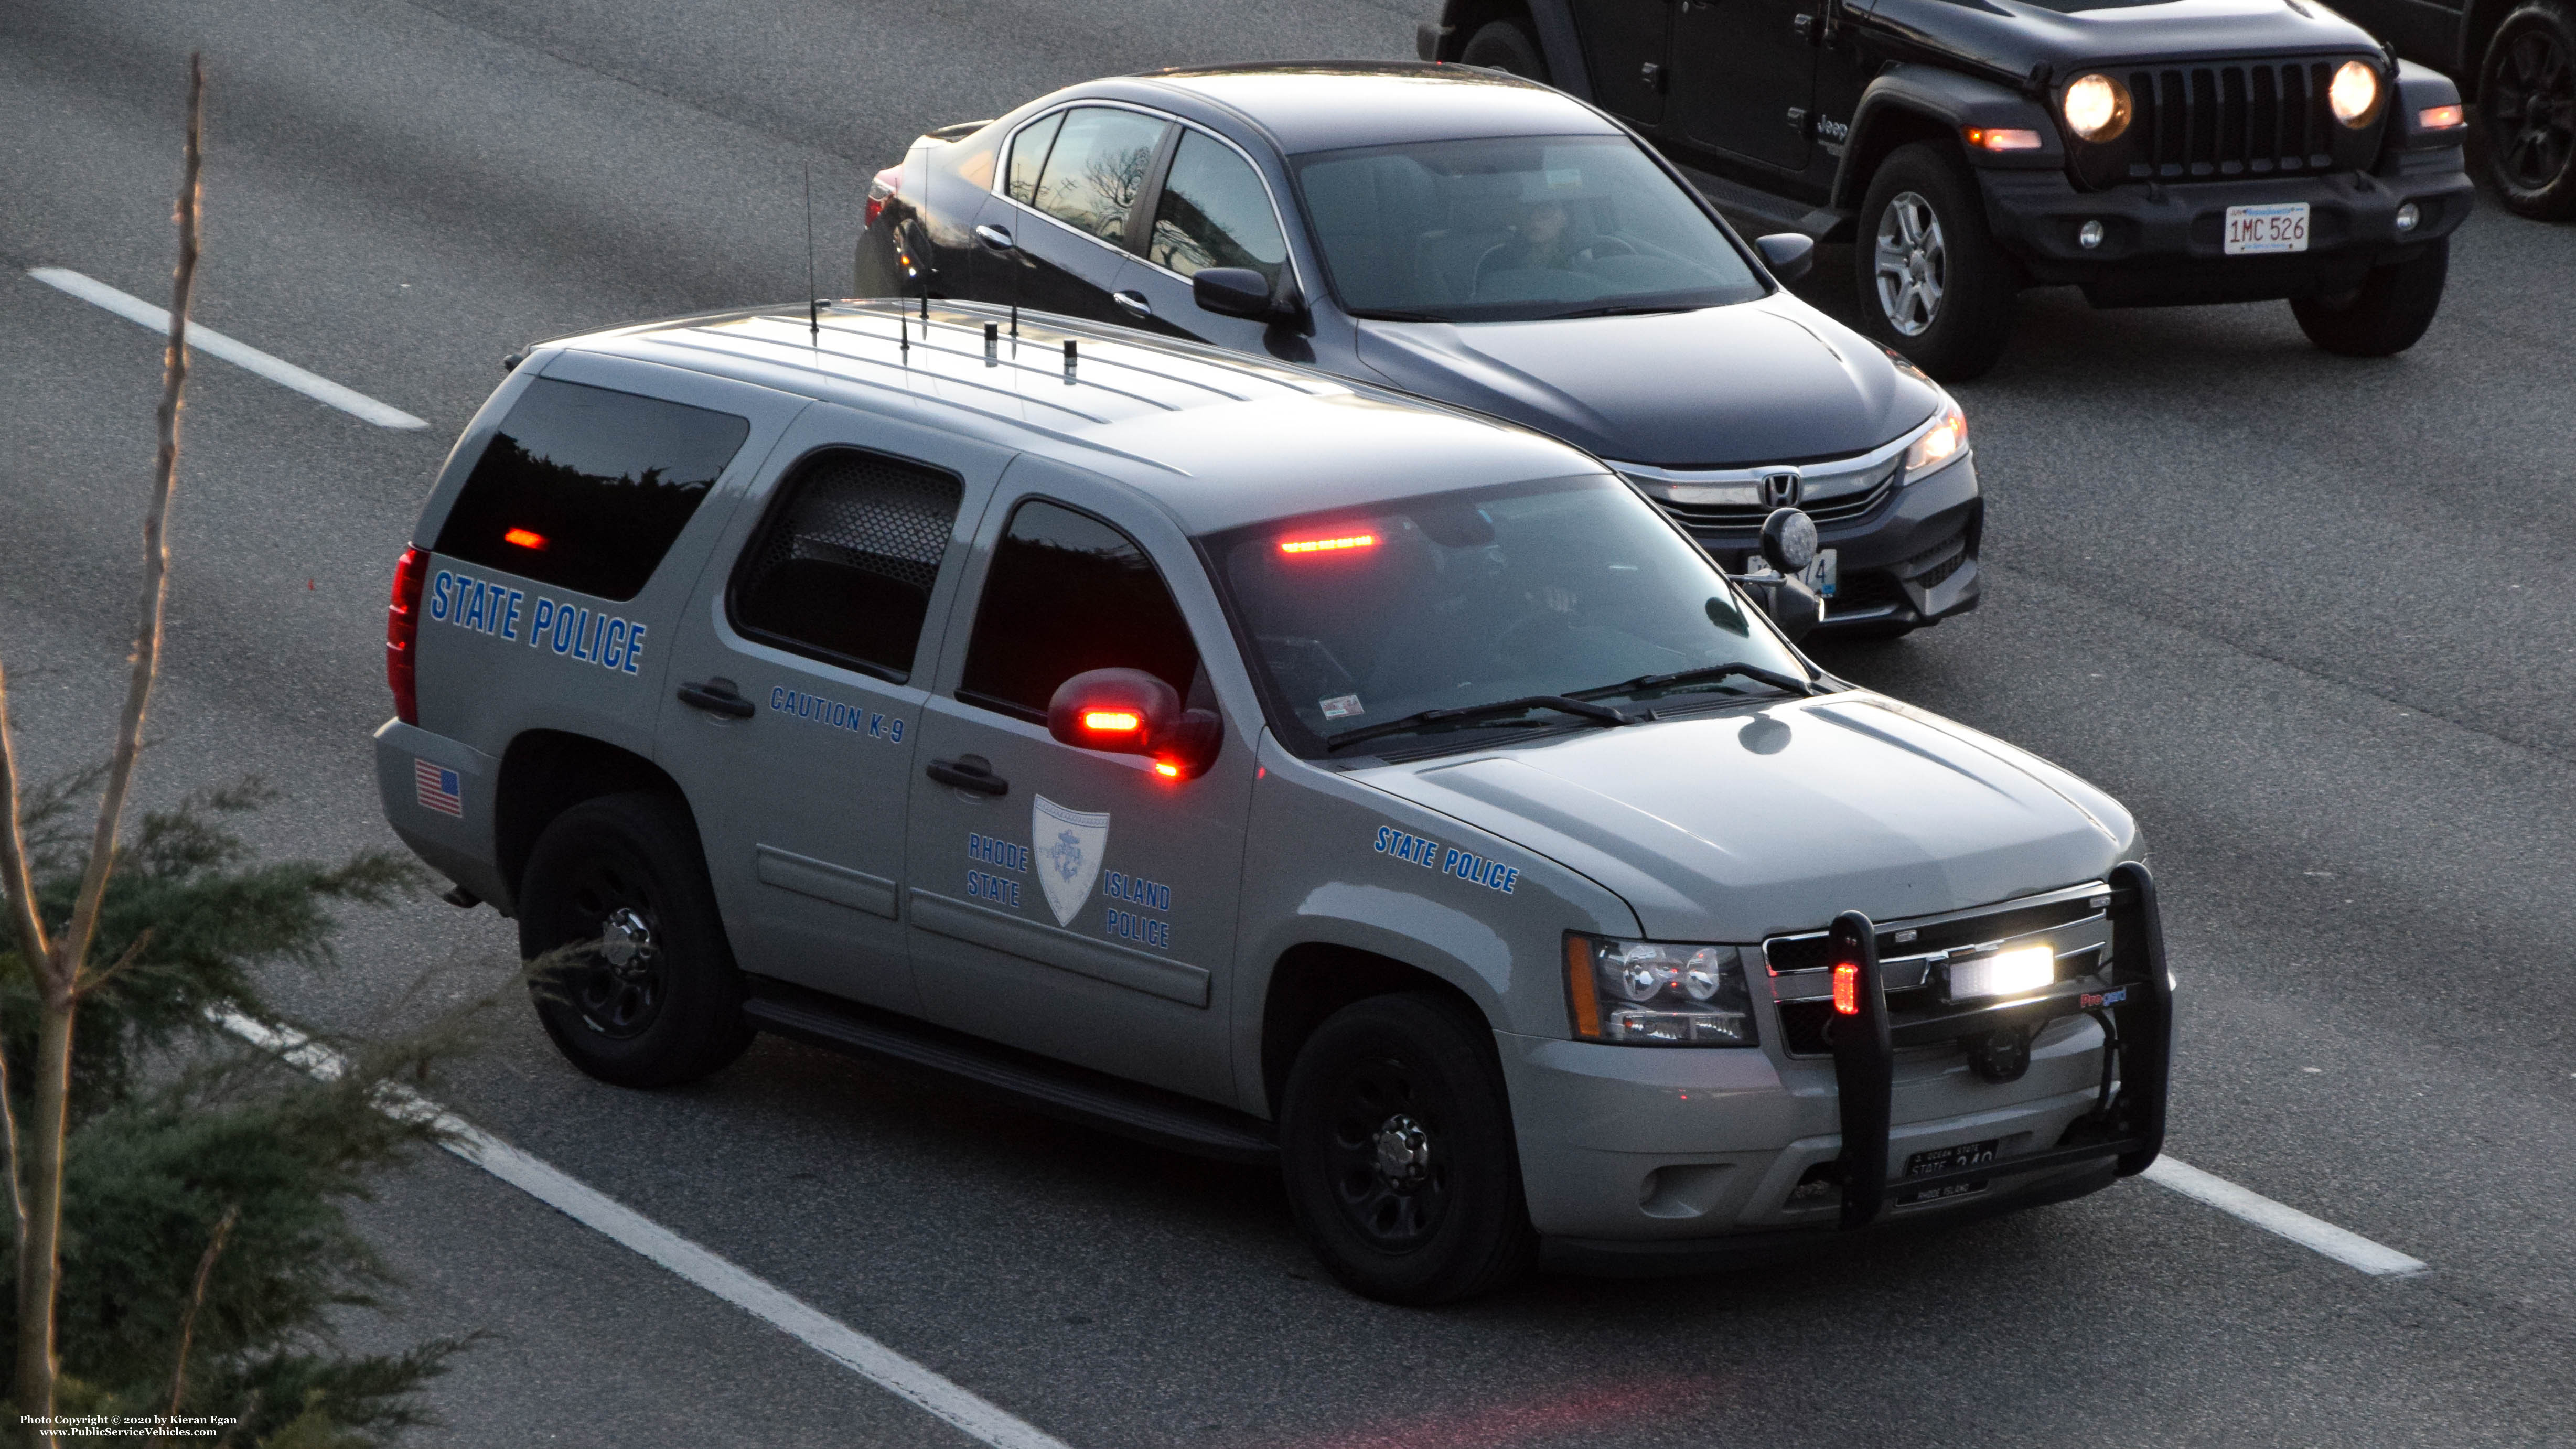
881, 187
402, 631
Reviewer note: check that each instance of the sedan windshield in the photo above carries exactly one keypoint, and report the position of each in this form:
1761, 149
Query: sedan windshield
1564, 587
1515, 229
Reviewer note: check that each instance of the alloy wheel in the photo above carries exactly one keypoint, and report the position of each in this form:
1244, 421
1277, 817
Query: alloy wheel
2531, 110
1913, 267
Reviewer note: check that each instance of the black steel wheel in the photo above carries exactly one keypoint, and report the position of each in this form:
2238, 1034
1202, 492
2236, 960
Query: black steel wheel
1396, 1146
2527, 107
1505, 45
650, 997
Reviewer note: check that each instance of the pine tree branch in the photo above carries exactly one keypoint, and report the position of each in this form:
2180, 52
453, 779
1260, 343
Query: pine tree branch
68, 952
188, 1319
87, 984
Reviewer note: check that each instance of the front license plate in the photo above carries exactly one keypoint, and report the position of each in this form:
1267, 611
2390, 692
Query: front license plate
1824, 573
1948, 1159
2279, 227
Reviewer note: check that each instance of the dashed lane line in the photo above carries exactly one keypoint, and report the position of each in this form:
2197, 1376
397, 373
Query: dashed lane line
934, 1393
2344, 1246
208, 340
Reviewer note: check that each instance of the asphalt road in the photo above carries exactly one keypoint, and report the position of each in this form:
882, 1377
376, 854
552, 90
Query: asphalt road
2309, 617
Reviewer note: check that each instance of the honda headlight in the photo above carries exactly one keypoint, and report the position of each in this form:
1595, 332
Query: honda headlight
2353, 95
1940, 445
2096, 108
1657, 993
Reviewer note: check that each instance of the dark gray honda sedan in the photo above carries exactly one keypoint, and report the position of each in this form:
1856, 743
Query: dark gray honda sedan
1472, 238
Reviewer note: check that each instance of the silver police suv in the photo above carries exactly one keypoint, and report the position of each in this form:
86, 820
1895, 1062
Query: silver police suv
1243, 759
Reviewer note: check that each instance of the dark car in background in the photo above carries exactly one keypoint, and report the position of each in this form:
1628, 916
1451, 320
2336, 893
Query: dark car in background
2171, 152
1472, 238
2516, 62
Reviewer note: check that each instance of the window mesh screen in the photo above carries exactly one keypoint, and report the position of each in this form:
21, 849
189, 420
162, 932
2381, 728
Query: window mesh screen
844, 569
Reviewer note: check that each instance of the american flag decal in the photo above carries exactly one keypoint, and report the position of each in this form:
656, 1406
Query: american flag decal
438, 788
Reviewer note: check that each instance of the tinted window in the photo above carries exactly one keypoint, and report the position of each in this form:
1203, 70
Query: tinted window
1214, 213
585, 488
1028, 156
1069, 593
842, 570
1496, 230
1095, 169
1368, 615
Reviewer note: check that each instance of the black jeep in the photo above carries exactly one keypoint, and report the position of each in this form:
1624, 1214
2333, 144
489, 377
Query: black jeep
2149, 153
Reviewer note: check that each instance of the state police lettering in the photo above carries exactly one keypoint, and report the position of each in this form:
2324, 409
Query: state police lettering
833, 714
1144, 930
573, 630
1001, 855
1449, 860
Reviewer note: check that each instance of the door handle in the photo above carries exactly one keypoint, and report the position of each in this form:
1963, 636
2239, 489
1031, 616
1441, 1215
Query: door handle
1134, 303
995, 237
969, 772
717, 696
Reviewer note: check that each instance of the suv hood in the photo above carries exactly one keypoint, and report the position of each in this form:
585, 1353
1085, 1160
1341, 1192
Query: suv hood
1766, 381
1744, 825
2014, 35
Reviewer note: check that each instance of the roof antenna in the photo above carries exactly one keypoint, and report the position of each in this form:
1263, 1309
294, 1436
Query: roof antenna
1070, 358
813, 304
992, 345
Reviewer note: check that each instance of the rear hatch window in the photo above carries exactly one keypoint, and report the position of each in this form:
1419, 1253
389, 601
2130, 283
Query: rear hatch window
585, 488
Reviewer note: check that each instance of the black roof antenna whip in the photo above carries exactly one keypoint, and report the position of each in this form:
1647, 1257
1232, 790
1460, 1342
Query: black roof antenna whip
813, 304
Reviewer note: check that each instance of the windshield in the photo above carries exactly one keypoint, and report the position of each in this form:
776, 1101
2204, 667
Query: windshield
1460, 599
1515, 229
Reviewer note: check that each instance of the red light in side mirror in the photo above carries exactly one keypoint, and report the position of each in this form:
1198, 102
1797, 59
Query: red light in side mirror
1167, 769
1112, 721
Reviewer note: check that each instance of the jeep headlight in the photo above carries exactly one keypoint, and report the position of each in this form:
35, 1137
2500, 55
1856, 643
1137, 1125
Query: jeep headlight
2096, 107
2353, 95
1939, 445
1657, 993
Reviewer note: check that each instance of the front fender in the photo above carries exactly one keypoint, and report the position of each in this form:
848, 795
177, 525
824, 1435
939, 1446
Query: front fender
1910, 100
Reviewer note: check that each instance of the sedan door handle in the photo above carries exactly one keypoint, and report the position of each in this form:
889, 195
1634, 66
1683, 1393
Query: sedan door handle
970, 772
1134, 303
717, 696
995, 237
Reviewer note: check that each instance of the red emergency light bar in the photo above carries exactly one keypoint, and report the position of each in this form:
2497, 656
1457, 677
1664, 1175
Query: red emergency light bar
1327, 545
525, 538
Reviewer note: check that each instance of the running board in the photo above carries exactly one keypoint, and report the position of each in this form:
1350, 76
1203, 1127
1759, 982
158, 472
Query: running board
1771, 212
1060, 1090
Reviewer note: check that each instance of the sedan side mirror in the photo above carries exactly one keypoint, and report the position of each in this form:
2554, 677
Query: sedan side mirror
1240, 292
1788, 254
1130, 712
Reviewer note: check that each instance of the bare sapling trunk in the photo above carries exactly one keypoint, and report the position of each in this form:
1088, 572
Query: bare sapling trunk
56, 962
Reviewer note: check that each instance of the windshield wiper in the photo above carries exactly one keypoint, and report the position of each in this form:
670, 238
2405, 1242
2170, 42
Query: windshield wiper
1787, 684
1400, 316
1567, 704
1622, 309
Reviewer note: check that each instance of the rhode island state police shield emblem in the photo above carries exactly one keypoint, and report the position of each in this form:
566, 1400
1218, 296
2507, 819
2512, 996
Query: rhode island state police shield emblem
1068, 845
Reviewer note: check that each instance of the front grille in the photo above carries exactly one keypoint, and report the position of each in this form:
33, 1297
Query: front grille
1747, 517
2248, 119
1812, 952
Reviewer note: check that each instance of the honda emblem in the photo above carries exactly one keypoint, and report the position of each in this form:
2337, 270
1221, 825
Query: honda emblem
1781, 489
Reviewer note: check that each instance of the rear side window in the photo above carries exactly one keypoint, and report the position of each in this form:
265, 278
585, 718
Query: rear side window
1095, 169
584, 488
1214, 213
1069, 593
843, 568
1028, 157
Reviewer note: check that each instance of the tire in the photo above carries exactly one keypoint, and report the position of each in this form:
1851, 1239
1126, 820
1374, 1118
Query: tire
1505, 45
1411, 1072
2527, 108
2386, 313
1923, 216
669, 1011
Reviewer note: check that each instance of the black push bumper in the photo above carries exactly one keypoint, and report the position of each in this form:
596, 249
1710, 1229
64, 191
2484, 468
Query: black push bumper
2166, 243
2125, 1130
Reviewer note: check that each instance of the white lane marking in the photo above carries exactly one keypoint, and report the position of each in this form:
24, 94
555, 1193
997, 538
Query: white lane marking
871, 1360
2348, 1248
242, 355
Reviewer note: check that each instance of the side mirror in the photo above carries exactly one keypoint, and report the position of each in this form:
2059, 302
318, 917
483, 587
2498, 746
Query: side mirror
1237, 292
1789, 254
1789, 540
1130, 712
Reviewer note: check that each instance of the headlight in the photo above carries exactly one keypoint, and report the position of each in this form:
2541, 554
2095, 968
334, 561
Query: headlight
2096, 107
2354, 94
1657, 993
1939, 445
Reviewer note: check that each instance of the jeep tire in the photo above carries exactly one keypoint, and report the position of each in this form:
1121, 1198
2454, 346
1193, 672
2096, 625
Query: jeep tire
1395, 1142
2386, 313
660, 1001
2527, 109
1505, 45
1932, 283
